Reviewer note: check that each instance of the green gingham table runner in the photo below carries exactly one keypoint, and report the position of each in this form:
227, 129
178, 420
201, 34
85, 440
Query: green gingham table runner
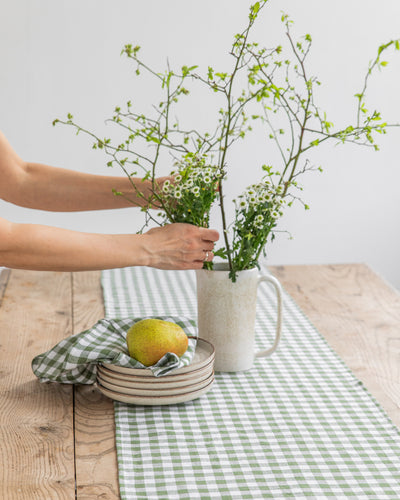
297, 425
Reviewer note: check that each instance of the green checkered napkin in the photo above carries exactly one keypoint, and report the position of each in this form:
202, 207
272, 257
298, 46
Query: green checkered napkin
74, 360
297, 425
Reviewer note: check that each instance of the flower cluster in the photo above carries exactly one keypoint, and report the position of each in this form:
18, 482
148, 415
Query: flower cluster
261, 202
188, 197
256, 214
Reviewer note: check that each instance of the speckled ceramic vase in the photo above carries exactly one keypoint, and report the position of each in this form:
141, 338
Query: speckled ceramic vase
226, 315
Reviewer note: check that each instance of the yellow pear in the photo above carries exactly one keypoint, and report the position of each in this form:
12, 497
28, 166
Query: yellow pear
149, 339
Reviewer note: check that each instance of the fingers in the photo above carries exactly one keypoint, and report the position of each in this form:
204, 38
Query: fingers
209, 235
207, 246
209, 257
206, 256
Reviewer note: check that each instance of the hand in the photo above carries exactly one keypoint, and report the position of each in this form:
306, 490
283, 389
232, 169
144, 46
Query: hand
146, 188
180, 246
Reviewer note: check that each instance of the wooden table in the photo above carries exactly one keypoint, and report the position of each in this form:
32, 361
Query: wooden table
57, 441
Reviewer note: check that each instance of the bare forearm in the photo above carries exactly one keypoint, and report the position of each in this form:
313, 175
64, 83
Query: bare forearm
44, 187
60, 190
36, 247
29, 246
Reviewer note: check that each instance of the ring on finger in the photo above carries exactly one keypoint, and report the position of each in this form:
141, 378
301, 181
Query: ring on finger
206, 257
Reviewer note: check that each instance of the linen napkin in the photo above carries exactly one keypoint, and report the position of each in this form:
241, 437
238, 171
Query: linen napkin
74, 360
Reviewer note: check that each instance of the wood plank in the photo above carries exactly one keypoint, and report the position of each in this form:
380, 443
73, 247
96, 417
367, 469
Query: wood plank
36, 420
359, 315
96, 459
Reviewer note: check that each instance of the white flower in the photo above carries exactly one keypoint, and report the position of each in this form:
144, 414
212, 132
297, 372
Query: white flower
178, 194
261, 198
196, 191
165, 188
207, 179
178, 178
253, 200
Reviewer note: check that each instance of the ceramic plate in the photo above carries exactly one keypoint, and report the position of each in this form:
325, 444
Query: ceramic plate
155, 400
155, 390
165, 382
204, 353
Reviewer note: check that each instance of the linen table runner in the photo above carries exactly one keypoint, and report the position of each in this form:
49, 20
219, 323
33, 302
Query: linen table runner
297, 425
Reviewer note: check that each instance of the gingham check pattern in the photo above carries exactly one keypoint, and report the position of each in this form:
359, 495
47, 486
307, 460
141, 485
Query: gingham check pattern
297, 425
74, 360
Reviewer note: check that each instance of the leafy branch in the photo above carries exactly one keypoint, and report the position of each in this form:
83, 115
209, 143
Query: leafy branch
278, 93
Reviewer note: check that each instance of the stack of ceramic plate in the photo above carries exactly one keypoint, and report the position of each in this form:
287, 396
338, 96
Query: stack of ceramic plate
142, 387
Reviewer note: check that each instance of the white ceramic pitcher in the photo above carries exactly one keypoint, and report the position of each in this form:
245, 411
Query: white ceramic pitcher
226, 313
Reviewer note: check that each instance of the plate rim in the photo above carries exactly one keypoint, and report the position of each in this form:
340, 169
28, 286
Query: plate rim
132, 380
161, 400
156, 391
150, 378
184, 369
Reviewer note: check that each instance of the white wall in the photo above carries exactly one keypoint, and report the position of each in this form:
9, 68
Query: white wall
59, 56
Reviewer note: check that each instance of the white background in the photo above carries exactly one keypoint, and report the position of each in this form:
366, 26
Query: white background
61, 56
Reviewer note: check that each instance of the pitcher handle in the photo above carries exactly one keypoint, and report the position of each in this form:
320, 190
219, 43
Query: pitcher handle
278, 289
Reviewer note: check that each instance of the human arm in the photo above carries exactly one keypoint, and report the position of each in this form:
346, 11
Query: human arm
44, 187
36, 247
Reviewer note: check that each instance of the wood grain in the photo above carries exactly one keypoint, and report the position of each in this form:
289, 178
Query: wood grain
359, 315
36, 420
96, 460
4, 277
